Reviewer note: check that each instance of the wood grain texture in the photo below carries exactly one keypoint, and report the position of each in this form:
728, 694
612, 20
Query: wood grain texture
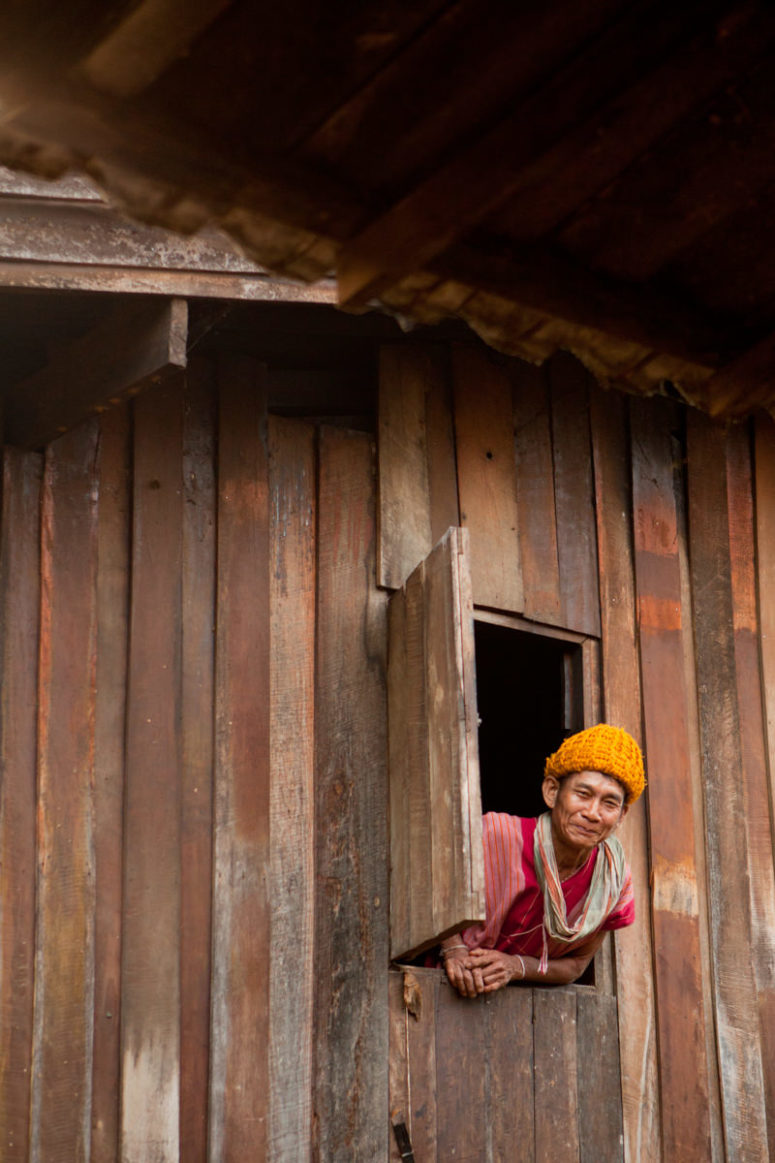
413, 1061
417, 480
633, 954
150, 1003
351, 953
601, 1132
574, 495
110, 719
764, 485
535, 494
462, 1095
487, 483
683, 1078
556, 1086
292, 465
740, 508
509, 1051
196, 804
734, 995
437, 876
20, 614
239, 1068
60, 1121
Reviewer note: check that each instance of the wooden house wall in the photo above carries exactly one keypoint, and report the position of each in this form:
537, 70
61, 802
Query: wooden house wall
194, 876
652, 527
193, 889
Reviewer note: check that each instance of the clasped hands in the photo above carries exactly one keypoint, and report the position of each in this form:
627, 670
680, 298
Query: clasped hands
475, 971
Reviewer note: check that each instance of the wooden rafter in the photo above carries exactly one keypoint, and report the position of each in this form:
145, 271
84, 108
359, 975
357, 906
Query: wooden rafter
134, 347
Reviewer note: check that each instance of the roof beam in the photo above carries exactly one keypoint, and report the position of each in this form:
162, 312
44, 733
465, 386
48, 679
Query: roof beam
546, 282
134, 347
142, 47
483, 176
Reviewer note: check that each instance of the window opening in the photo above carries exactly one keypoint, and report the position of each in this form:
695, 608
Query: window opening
529, 698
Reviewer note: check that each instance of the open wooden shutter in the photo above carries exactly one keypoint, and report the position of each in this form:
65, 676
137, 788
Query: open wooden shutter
437, 867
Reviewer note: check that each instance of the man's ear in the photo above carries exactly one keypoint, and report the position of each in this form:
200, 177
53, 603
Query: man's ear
625, 810
550, 788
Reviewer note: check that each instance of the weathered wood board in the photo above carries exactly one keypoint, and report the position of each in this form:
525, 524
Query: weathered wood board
20, 612
350, 1093
437, 874
60, 1114
680, 989
150, 976
239, 1068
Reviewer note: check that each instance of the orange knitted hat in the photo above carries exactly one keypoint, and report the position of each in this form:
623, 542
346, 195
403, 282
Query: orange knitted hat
610, 750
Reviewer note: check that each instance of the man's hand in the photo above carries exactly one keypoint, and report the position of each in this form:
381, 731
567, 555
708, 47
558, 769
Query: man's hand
494, 969
456, 964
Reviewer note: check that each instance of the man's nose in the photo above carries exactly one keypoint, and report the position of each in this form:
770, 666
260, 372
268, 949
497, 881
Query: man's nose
592, 810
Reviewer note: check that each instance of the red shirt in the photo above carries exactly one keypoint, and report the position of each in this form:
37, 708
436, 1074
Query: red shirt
515, 907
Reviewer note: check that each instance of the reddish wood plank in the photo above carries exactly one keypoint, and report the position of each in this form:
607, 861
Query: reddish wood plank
734, 995
112, 635
197, 645
765, 553
556, 1089
462, 1085
292, 466
740, 509
510, 1054
487, 478
601, 1133
64, 966
239, 1077
574, 495
150, 1010
679, 982
440, 443
20, 615
622, 705
351, 1028
535, 494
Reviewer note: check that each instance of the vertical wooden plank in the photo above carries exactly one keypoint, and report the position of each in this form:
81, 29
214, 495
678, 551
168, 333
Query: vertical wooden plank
351, 947
765, 561
404, 520
601, 1133
453, 756
239, 1076
509, 1051
417, 480
437, 875
413, 1061
292, 794
622, 706
197, 645
556, 1088
64, 962
462, 1087
574, 496
110, 720
535, 494
20, 619
734, 993
683, 1073
150, 1010
740, 507
487, 484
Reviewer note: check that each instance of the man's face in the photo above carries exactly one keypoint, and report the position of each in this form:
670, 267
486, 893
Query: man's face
585, 806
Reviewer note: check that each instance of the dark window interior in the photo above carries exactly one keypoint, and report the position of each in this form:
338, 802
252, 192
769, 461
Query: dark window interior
529, 698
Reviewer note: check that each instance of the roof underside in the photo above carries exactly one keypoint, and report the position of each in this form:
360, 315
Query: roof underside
594, 175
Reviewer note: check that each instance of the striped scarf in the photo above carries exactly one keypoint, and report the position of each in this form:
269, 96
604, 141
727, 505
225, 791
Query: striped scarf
601, 899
